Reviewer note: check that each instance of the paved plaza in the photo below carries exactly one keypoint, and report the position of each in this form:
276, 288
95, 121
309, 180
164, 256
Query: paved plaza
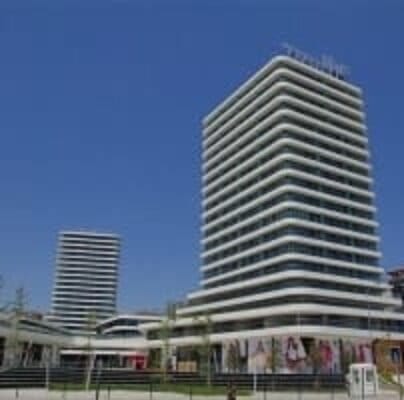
41, 394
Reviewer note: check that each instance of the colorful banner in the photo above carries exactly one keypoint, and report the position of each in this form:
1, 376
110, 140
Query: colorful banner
294, 358
293, 355
260, 355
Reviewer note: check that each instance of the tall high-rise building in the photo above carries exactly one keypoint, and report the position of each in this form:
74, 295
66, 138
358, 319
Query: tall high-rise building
289, 234
288, 210
86, 279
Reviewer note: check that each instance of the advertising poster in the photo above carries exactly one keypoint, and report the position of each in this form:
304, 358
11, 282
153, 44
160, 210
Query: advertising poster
363, 352
260, 355
295, 356
357, 351
328, 352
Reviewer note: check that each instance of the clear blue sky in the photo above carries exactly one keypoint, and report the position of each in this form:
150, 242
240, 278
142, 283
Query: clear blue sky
100, 110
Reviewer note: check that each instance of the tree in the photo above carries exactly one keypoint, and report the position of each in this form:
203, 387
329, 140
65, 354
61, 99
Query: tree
232, 357
91, 322
17, 308
205, 347
165, 331
316, 360
276, 352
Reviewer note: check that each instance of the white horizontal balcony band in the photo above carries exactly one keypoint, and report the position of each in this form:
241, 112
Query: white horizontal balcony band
70, 320
102, 312
264, 152
61, 287
292, 239
259, 141
294, 309
132, 317
293, 257
240, 121
287, 309
68, 301
91, 253
270, 123
312, 94
282, 206
89, 245
259, 102
284, 189
290, 274
296, 291
121, 328
63, 300
82, 264
270, 117
89, 242
75, 278
289, 172
72, 258
234, 122
88, 235
72, 297
87, 269
105, 308
251, 126
89, 264
321, 113
292, 172
289, 156
87, 254
88, 249
114, 239
81, 280
98, 276
276, 146
285, 222
241, 96
306, 331
284, 100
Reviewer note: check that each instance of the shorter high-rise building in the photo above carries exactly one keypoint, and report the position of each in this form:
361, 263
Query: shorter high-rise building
86, 279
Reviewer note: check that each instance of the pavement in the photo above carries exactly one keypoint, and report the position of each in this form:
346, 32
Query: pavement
42, 394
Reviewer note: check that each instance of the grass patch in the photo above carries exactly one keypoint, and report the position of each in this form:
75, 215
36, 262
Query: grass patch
200, 390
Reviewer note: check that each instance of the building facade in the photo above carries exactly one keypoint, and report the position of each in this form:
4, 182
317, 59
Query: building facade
118, 343
396, 280
290, 250
28, 341
86, 279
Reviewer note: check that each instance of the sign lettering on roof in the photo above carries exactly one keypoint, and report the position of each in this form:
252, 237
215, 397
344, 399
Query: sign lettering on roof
325, 63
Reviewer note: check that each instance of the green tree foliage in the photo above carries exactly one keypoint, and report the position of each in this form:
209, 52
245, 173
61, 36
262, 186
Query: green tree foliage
90, 325
17, 311
205, 325
233, 357
166, 326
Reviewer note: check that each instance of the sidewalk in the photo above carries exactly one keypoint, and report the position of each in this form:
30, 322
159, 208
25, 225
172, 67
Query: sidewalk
41, 394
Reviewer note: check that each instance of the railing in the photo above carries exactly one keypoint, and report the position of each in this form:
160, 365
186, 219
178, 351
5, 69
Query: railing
58, 377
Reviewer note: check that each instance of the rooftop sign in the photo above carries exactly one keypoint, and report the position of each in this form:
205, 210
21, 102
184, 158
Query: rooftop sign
325, 63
